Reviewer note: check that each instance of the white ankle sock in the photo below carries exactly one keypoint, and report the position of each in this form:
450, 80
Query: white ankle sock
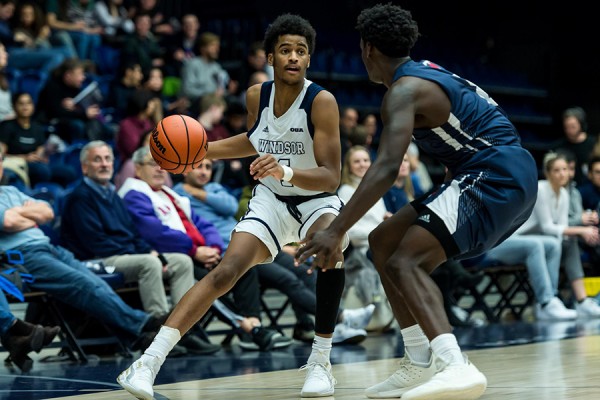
163, 343
446, 348
321, 348
416, 344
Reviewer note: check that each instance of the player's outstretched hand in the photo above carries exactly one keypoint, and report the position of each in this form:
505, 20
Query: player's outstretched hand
324, 246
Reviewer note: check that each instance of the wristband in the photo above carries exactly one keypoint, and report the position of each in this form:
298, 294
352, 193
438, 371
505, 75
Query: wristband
288, 173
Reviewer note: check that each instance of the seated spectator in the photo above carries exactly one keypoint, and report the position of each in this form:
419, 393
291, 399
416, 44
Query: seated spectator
212, 108
154, 82
214, 203
19, 338
96, 225
127, 169
57, 272
180, 47
31, 47
541, 255
203, 74
129, 81
55, 105
112, 16
144, 111
418, 169
550, 217
590, 191
6, 109
77, 19
348, 121
167, 221
142, 46
356, 164
161, 24
25, 138
577, 140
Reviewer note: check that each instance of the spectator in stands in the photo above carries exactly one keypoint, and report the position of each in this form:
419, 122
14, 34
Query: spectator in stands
127, 169
541, 255
96, 225
77, 19
171, 104
26, 138
181, 46
370, 122
577, 140
551, 217
418, 169
203, 74
57, 272
167, 221
348, 121
129, 80
112, 16
213, 202
256, 62
142, 46
356, 164
6, 109
19, 338
161, 24
7, 10
56, 106
577, 214
144, 111
590, 191
32, 48
212, 108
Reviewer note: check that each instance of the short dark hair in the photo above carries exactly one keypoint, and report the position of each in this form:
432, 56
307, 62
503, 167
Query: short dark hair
593, 160
289, 24
389, 28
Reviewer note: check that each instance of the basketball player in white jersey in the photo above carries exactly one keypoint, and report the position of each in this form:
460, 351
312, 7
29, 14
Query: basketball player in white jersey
294, 129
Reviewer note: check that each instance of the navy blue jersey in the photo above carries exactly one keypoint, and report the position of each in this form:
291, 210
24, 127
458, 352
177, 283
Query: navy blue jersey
476, 122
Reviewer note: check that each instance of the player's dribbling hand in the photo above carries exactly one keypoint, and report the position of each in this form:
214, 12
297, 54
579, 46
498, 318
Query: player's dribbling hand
324, 246
264, 166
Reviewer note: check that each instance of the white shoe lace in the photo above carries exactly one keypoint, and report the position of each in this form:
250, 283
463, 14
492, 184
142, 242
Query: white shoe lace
406, 372
318, 371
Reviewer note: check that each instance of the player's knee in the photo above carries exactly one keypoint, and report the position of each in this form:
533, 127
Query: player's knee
223, 278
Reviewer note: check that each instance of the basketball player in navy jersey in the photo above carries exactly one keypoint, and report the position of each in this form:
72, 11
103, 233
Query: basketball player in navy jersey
489, 191
294, 128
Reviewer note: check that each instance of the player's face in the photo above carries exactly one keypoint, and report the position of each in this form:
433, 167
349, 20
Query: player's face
290, 58
200, 176
99, 165
151, 173
360, 161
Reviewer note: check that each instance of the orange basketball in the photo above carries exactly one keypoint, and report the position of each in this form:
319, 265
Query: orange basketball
178, 143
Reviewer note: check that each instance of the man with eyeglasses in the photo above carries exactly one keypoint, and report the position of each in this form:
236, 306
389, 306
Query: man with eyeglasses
166, 220
96, 225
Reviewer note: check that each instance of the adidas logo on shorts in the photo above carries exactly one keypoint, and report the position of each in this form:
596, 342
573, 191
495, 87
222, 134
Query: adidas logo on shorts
424, 218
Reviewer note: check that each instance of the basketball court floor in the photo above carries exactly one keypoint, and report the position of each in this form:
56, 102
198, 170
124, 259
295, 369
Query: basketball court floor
522, 360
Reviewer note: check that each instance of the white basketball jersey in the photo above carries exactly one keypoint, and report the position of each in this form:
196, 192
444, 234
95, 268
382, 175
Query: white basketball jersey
288, 138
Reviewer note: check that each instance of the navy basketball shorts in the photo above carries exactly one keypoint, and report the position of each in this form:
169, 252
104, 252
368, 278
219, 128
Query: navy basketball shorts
484, 203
